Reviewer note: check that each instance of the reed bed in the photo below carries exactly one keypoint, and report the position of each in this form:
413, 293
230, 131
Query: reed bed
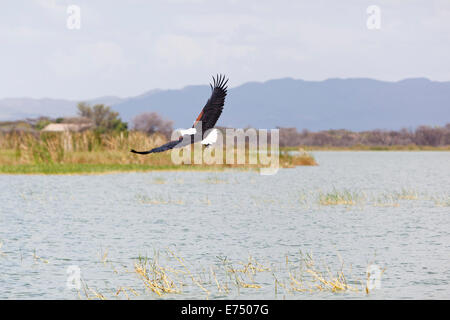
303, 158
406, 194
338, 197
348, 197
158, 200
313, 200
85, 152
441, 201
2, 254
169, 275
156, 278
77, 148
386, 200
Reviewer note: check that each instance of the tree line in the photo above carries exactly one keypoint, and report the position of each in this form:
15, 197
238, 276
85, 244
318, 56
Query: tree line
421, 136
103, 119
100, 118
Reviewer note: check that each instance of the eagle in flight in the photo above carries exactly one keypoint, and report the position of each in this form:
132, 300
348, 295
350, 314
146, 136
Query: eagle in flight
205, 121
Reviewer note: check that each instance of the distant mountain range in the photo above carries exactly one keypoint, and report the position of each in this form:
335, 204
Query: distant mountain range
355, 104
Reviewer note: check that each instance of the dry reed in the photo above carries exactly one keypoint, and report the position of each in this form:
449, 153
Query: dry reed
55, 152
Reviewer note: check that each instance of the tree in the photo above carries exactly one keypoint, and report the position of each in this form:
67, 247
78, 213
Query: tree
102, 116
429, 136
289, 137
151, 122
39, 123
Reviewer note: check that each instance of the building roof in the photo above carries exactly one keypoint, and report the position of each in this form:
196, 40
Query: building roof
62, 127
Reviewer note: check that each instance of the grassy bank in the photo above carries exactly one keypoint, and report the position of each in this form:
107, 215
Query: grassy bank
82, 168
75, 153
161, 163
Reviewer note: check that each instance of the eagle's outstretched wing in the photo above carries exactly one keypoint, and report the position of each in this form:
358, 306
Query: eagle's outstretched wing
169, 145
214, 106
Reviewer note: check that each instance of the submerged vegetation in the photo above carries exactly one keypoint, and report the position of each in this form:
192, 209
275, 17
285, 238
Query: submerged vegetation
441, 201
92, 151
167, 274
335, 197
393, 198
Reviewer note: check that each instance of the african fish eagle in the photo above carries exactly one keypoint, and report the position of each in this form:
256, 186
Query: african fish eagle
206, 120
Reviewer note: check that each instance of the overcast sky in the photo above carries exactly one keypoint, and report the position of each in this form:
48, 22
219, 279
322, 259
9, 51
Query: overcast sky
125, 48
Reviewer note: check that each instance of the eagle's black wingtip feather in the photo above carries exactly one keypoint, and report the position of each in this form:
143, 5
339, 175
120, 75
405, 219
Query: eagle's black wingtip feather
141, 152
219, 81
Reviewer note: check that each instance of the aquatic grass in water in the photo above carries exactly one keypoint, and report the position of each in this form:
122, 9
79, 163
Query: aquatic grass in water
156, 278
282, 224
347, 197
386, 200
2, 254
351, 198
344, 197
307, 276
170, 275
158, 200
39, 259
406, 194
441, 201
214, 180
159, 180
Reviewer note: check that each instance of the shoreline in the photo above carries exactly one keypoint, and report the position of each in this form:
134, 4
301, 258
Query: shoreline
93, 169
368, 148
114, 168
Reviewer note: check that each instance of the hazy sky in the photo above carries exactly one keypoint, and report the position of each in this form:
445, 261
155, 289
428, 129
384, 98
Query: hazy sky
125, 48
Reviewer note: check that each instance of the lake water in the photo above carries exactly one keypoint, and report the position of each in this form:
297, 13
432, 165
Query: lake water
399, 222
